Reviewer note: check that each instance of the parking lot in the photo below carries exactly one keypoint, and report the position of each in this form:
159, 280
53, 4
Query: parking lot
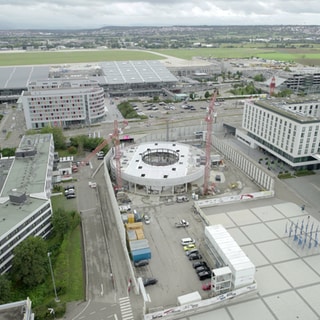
169, 263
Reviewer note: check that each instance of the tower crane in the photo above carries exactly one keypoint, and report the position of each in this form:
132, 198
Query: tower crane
113, 137
272, 86
209, 120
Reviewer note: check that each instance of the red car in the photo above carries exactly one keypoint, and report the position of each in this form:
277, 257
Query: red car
206, 286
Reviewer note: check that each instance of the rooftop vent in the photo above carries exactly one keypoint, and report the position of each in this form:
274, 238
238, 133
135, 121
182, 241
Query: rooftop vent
17, 197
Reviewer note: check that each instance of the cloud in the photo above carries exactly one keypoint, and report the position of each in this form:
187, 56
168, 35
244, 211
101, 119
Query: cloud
96, 13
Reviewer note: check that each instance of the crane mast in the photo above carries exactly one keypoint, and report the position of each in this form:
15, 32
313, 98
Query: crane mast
209, 120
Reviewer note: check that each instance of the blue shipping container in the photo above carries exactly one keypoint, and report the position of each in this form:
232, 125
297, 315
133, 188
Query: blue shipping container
141, 254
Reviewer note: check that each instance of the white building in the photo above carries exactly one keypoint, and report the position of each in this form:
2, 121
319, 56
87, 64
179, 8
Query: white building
62, 103
288, 130
25, 190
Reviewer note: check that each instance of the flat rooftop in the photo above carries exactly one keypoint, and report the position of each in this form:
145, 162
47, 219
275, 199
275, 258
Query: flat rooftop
28, 173
281, 241
111, 72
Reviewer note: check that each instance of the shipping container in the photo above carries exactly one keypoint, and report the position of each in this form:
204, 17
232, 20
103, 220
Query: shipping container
138, 244
130, 218
189, 298
134, 226
141, 254
131, 235
139, 234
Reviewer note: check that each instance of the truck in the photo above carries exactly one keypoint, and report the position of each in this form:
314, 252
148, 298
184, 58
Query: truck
182, 199
182, 224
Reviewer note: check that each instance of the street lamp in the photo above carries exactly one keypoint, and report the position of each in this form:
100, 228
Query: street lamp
53, 282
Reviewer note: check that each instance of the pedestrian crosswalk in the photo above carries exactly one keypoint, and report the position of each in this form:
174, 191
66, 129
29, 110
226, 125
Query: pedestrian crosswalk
125, 308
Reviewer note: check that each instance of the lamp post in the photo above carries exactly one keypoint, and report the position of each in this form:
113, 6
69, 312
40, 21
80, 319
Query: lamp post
53, 282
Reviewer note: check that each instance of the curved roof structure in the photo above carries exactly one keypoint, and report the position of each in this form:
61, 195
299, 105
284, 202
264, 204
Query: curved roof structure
161, 164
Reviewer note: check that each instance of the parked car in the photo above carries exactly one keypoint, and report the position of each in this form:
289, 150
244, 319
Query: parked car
182, 224
146, 219
189, 247
71, 196
195, 256
206, 286
186, 241
141, 263
149, 281
199, 264
69, 192
188, 253
201, 269
204, 275
218, 177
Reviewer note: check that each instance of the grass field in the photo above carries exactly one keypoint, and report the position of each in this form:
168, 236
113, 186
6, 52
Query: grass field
69, 267
34, 58
307, 56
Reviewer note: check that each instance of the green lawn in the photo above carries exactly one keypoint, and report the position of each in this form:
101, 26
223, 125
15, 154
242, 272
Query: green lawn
36, 58
302, 55
68, 267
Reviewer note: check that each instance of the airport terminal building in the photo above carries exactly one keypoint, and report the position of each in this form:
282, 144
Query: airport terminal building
116, 78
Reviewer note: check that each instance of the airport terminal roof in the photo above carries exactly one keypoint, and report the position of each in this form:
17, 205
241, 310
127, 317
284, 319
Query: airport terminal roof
111, 72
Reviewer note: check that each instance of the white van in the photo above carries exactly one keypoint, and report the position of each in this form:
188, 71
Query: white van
186, 241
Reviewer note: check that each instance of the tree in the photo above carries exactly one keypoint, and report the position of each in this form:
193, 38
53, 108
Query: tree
58, 137
5, 289
61, 222
207, 94
30, 263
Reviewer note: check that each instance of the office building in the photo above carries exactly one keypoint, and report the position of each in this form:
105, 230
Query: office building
25, 190
288, 130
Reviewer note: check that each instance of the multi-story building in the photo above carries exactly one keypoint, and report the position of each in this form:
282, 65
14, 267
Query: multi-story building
288, 130
63, 103
25, 190
307, 82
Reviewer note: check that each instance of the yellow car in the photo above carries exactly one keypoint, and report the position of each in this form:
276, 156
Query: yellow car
190, 246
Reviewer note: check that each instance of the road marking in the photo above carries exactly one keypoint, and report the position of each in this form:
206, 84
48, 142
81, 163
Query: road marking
125, 308
315, 186
101, 293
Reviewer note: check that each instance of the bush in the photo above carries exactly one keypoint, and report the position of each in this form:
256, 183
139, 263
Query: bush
286, 175
304, 172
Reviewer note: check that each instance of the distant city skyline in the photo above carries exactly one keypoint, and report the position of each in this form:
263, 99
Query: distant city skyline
82, 14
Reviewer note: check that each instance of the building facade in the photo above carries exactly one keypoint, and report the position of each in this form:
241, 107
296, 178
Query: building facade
25, 190
63, 103
288, 130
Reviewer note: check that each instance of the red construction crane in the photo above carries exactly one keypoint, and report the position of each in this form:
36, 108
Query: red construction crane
209, 120
114, 137
272, 86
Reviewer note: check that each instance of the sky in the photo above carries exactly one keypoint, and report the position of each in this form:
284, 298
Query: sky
81, 14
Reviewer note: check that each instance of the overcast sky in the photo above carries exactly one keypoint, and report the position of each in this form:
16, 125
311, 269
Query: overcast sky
59, 14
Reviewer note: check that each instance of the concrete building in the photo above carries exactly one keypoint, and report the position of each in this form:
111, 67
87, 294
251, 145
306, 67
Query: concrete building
62, 103
19, 310
25, 190
288, 130
161, 166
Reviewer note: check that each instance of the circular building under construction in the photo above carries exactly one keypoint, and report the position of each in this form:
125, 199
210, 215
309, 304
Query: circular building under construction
159, 167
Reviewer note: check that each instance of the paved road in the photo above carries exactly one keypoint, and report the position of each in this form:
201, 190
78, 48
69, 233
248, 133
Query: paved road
107, 295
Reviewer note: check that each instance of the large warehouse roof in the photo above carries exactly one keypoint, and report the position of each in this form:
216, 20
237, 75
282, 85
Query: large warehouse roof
111, 72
